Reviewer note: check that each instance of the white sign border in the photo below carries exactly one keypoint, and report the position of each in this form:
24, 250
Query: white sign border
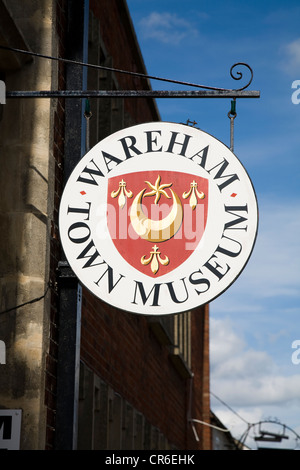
109, 145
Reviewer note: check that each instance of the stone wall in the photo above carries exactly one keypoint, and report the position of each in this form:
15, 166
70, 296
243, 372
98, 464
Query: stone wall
26, 205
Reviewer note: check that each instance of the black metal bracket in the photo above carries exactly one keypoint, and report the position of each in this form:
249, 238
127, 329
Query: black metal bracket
205, 92
133, 94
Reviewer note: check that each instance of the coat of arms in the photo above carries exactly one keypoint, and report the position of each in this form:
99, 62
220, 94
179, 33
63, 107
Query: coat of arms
156, 219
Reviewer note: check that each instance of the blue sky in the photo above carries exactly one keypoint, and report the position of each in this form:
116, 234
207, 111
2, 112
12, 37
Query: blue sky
254, 323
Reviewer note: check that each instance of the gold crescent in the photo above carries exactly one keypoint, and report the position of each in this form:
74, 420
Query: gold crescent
156, 230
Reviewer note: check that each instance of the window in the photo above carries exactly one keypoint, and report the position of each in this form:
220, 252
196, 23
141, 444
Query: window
175, 332
106, 421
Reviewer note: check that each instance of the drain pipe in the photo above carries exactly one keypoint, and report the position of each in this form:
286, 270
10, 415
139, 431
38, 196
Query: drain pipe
69, 288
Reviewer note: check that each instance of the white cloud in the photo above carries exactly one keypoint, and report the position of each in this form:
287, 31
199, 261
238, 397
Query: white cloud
274, 337
257, 390
253, 382
291, 57
248, 382
231, 357
273, 270
167, 28
245, 376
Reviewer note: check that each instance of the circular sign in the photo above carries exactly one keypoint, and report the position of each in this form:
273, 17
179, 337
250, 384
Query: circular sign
158, 218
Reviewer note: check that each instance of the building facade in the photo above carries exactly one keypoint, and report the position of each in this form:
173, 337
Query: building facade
221, 436
83, 374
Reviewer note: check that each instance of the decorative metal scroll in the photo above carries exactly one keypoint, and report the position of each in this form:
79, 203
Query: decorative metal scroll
240, 75
206, 92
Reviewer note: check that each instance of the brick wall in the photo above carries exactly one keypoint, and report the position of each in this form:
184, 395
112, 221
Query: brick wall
122, 48
122, 349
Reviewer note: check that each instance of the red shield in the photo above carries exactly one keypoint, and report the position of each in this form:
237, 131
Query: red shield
156, 219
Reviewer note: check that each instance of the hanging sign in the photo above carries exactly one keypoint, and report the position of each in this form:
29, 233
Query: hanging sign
158, 218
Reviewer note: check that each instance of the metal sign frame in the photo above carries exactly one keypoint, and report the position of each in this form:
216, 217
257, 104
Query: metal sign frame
205, 92
134, 94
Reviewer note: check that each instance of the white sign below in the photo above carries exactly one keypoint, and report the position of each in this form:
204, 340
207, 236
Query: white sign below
10, 429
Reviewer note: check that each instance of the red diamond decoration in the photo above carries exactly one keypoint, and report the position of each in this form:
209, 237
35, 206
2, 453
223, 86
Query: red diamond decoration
233, 194
82, 192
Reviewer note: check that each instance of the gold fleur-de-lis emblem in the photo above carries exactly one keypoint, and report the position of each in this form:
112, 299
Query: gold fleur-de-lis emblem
155, 259
193, 193
122, 192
